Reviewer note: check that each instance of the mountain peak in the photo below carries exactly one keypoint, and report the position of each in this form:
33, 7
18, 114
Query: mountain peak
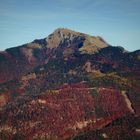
64, 30
67, 37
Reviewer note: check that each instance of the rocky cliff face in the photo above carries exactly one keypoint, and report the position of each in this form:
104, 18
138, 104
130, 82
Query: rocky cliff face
69, 85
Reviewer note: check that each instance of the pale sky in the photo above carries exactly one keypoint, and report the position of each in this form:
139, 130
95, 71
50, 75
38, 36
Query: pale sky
117, 21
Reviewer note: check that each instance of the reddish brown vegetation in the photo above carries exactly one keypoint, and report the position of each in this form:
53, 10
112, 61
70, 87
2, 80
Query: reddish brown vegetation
113, 103
64, 112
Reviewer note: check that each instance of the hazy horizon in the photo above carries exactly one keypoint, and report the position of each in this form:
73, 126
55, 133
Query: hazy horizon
115, 21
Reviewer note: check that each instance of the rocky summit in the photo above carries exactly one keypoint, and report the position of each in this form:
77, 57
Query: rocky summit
69, 86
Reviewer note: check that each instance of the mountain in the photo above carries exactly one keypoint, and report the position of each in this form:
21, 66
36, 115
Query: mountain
69, 86
40, 51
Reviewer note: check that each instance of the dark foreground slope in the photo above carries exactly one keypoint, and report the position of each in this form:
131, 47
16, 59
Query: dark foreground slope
69, 86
